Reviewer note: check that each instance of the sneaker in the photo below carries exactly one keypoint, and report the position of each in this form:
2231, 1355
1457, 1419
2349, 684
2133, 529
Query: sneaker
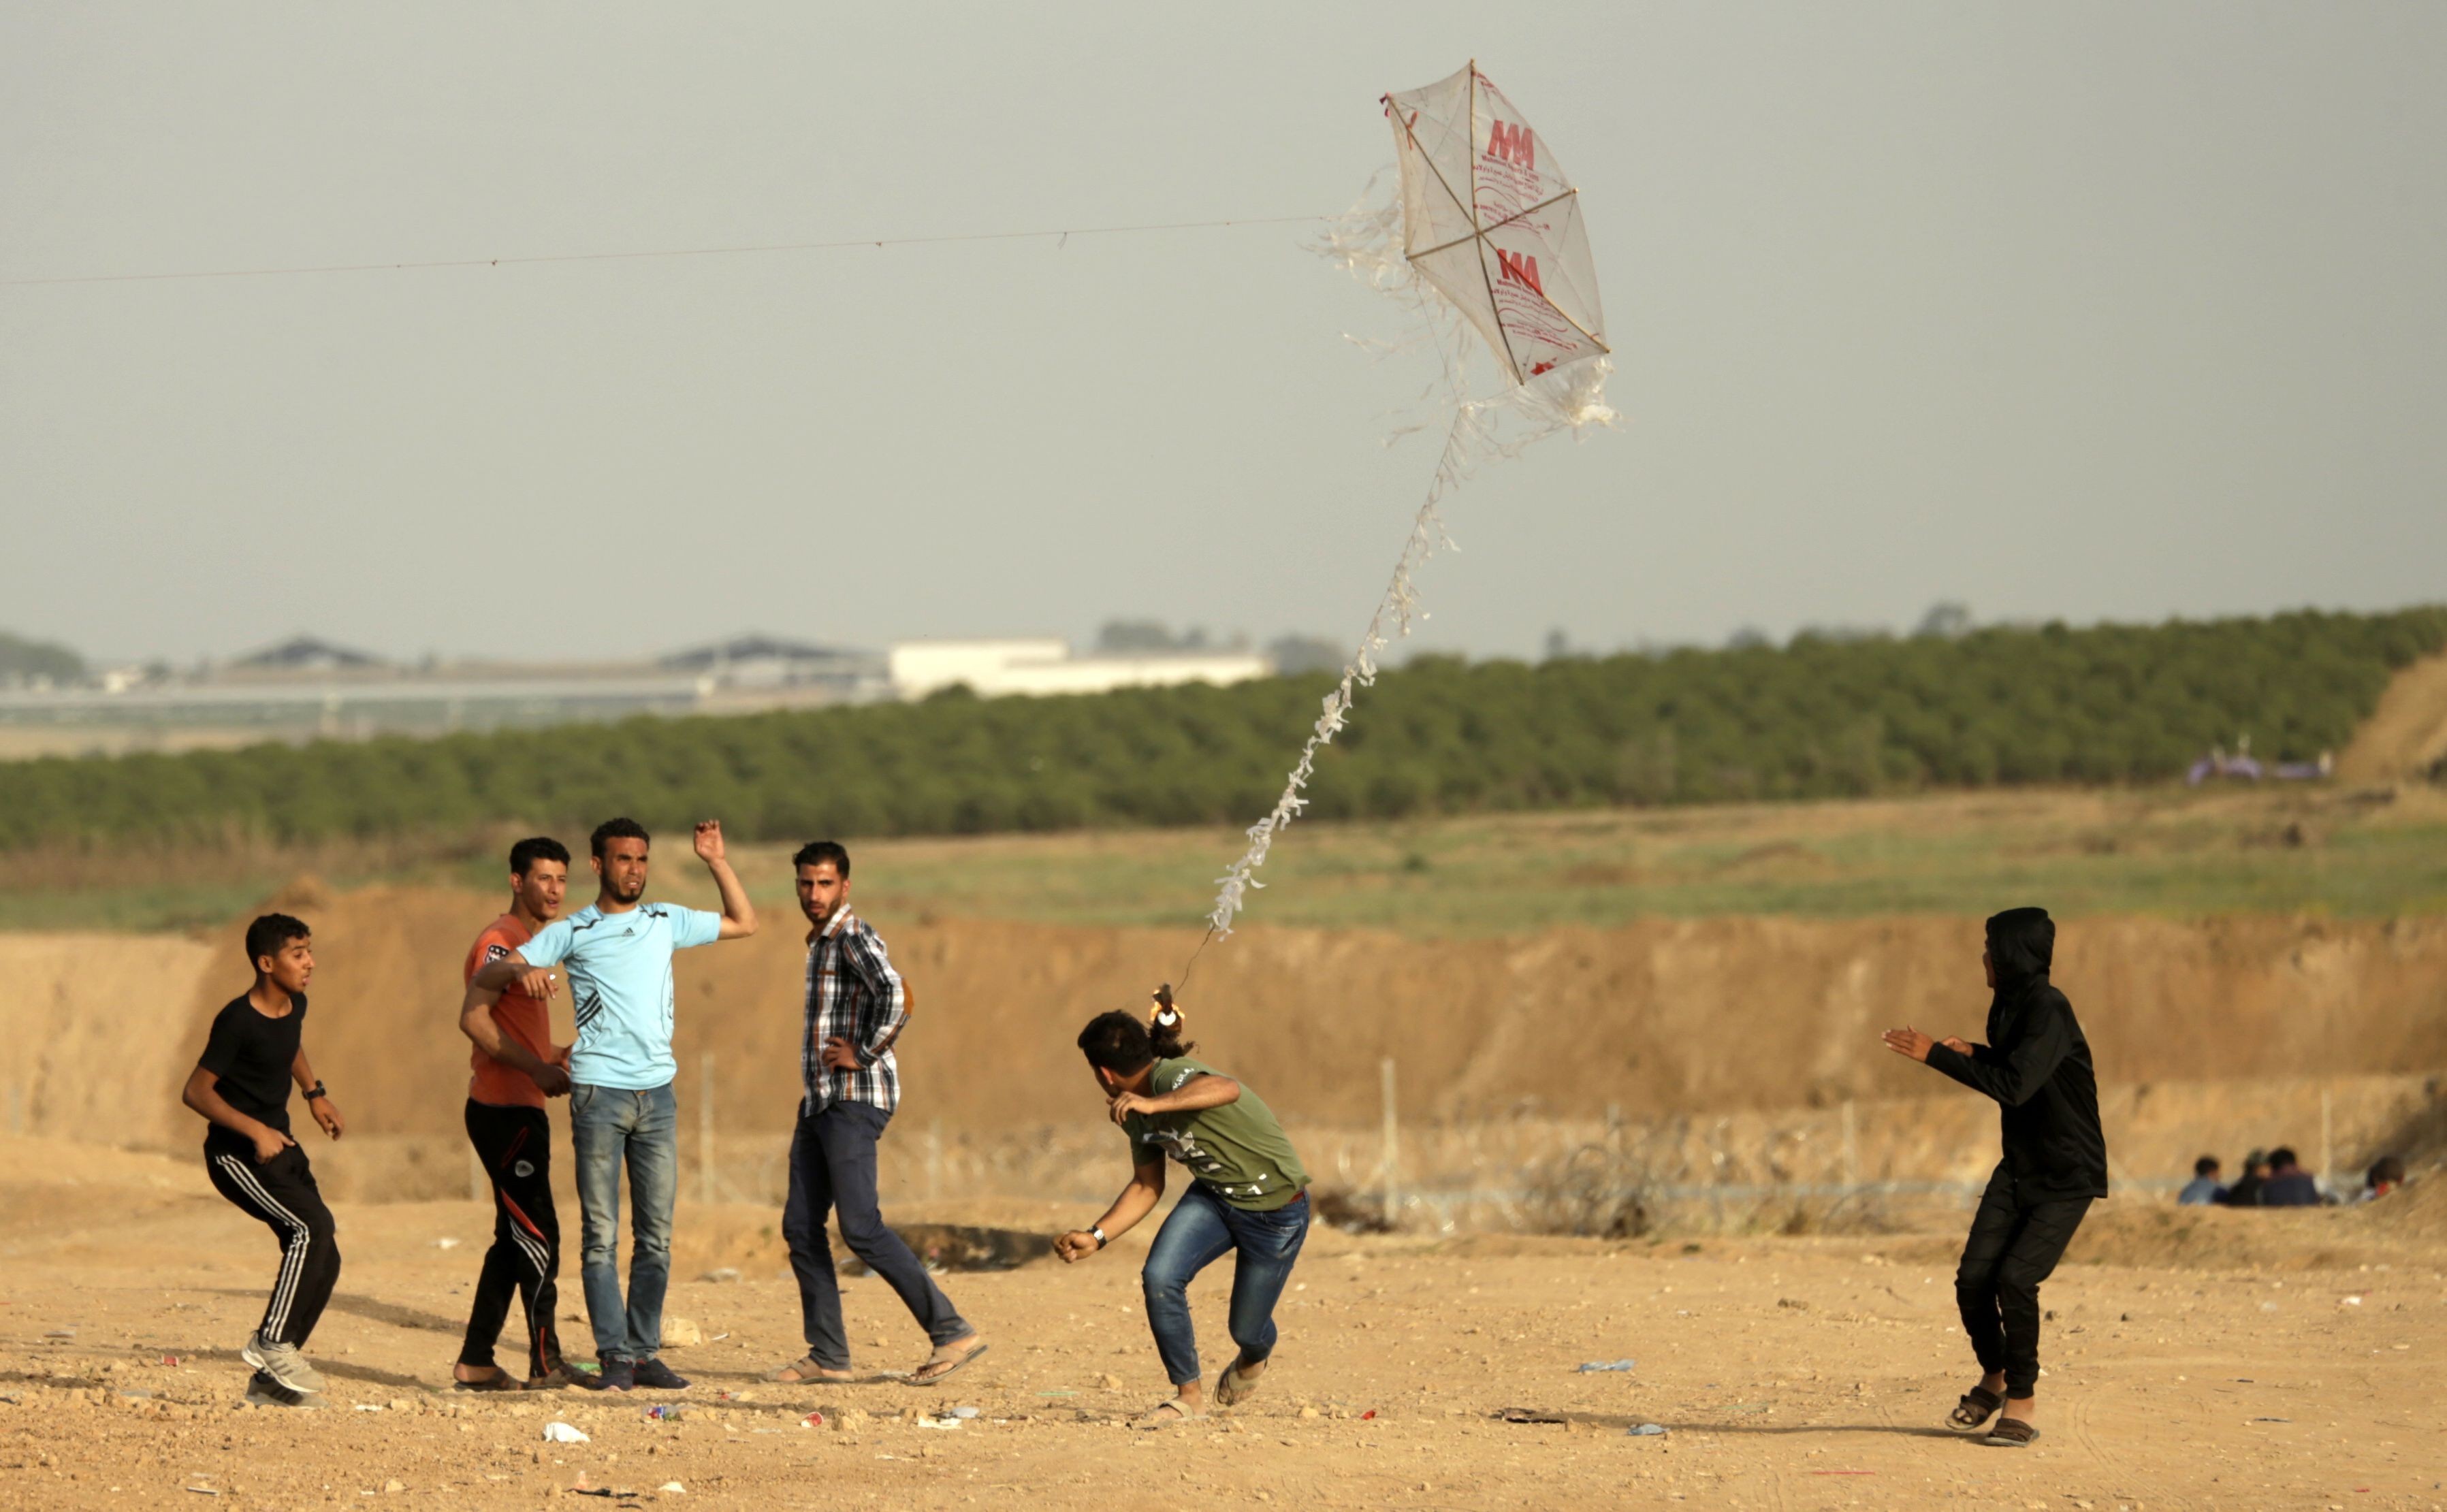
611, 1375
283, 1362
658, 1376
263, 1391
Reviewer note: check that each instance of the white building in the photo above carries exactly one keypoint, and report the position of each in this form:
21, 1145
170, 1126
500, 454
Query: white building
995, 668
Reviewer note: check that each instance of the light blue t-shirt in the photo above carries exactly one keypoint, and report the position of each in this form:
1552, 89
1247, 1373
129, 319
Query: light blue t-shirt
620, 968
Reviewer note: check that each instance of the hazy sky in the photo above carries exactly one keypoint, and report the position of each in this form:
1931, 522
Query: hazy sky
2092, 310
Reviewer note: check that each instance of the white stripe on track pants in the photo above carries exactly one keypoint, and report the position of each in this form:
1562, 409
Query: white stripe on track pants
281, 1193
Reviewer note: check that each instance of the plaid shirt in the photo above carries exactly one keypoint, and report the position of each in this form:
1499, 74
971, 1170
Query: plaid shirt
853, 993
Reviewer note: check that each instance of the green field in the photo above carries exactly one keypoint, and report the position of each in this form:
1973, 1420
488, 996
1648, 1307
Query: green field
2319, 850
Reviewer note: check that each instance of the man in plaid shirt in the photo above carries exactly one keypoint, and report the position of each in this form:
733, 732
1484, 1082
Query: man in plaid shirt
849, 1083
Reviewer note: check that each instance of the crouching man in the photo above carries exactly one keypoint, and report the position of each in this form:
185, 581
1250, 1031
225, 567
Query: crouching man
1248, 1196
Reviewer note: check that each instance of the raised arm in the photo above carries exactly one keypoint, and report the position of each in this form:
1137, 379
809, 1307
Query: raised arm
738, 915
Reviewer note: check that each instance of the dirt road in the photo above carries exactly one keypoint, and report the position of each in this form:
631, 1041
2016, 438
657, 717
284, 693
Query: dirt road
1790, 1373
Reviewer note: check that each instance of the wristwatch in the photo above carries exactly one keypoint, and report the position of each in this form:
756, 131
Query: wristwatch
316, 1090
1098, 1233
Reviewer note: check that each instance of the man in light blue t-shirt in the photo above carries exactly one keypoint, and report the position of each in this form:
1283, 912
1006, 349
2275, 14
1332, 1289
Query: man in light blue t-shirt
618, 953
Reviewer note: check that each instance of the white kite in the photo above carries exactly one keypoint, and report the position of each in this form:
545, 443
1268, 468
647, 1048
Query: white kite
1484, 235
1491, 221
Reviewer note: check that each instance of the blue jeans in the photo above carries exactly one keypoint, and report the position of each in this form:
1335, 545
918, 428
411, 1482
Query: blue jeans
832, 1168
609, 1125
1202, 1228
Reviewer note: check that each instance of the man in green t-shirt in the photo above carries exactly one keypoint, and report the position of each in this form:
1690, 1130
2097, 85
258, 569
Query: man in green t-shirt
1249, 1195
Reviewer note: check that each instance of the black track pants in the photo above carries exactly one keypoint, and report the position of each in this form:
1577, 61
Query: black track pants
2012, 1248
516, 1144
281, 1193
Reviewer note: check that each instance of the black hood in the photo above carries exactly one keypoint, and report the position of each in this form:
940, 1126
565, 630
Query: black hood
2021, 943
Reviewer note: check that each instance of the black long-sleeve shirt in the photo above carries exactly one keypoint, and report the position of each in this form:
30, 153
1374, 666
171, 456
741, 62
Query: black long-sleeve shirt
2037, 1065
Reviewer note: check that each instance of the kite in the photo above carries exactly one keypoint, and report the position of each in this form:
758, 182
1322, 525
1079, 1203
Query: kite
1484, 237
1490, 220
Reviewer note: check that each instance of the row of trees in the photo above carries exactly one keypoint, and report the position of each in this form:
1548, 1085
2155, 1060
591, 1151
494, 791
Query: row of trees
23, 661
1817, 717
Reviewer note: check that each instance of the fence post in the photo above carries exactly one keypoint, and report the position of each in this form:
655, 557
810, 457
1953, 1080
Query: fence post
705, 1128
2327, 1145
1852, 1151
1393, 1149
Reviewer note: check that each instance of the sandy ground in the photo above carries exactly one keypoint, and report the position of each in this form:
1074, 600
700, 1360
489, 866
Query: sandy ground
1790, 1372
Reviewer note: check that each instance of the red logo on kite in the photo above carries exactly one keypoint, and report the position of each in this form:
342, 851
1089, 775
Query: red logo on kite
1519, 267
1514, 144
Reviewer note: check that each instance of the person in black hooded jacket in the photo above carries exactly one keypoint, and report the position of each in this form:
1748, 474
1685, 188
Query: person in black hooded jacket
2037, 1065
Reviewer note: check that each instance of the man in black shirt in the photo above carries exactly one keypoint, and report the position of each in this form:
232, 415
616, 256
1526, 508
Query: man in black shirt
2289, 1184
2246, 1188
2037, 1065
240, 1084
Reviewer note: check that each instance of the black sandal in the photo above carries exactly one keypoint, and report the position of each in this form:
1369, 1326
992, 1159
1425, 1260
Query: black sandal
1977, 1407
2010, 1433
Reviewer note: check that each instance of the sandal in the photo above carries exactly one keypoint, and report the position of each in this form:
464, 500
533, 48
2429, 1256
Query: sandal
1232, 1388
499, 1381
1165, 1415
806, 1369
2010, 1433
943, 1363
1977, 1407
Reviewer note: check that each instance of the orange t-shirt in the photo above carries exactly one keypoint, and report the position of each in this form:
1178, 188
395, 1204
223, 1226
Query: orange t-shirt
522, 1019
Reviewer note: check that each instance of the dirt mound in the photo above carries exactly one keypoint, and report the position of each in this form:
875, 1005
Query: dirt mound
1666, 1016
2402, 1229
2400, 1232
2124, 1232
1684, 1015
2416, 1214
2406, 735
100, 1030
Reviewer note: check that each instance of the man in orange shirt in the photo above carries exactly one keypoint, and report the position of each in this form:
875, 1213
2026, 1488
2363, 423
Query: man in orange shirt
516, 1067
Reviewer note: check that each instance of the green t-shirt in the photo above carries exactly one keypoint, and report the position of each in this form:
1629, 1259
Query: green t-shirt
1238, 1149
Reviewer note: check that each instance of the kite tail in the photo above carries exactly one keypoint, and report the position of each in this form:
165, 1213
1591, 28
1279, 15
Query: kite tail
1394, 613
1368, 243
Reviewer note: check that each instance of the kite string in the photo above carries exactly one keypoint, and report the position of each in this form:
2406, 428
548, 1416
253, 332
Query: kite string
667, 251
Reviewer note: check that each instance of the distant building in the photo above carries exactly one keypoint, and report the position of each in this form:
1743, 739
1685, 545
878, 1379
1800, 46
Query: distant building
305, 654
1038, 666
766, 661
922, 667
307, 689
